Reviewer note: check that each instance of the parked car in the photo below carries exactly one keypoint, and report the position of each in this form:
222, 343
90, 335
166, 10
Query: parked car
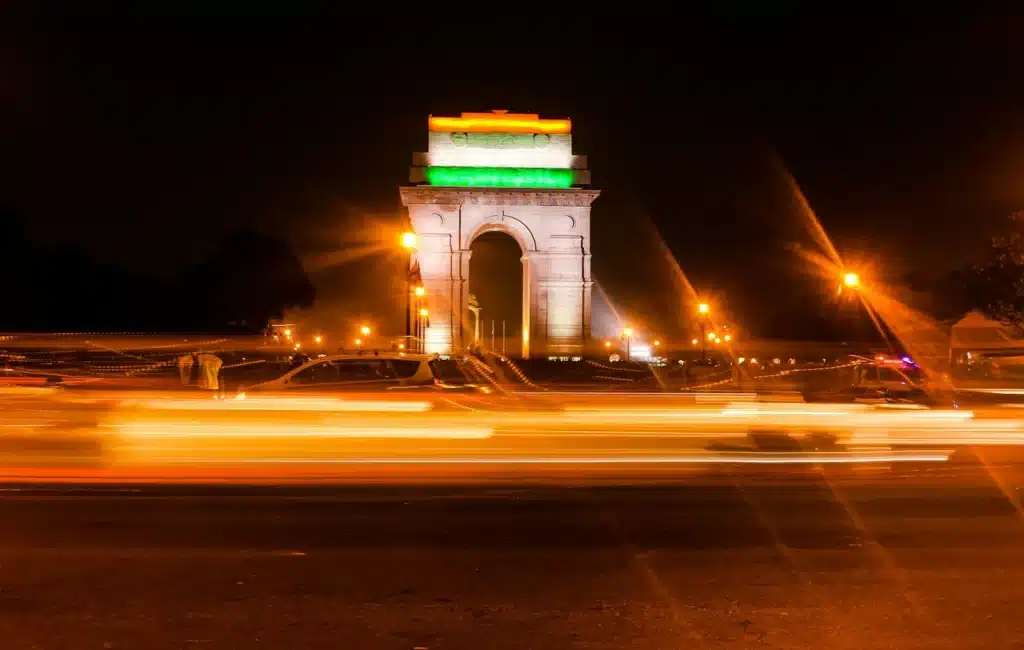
367, 372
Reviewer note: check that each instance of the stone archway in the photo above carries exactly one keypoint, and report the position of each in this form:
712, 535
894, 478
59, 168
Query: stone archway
521, 247
553, 231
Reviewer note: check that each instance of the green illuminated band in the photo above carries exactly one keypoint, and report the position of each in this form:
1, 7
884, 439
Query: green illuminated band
499, 177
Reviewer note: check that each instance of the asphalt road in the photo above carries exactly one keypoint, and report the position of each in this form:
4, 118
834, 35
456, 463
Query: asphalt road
930, 558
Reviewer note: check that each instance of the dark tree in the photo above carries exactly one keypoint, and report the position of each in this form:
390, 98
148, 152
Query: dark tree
997, 285
251, 279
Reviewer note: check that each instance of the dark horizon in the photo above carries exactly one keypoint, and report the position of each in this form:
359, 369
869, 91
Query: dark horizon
142, 140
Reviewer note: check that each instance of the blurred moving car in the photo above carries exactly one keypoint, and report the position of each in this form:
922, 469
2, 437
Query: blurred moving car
368, 372
881, 380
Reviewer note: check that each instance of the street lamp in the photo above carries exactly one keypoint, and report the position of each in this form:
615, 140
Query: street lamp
359, 342
693, 341
417, 331
364, 330
627, 333
408, 241
728, 337
704, 309
318, 339
851, 280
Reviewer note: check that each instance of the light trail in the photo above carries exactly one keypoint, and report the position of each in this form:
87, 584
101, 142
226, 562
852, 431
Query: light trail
751, 459
170, 429
250, 403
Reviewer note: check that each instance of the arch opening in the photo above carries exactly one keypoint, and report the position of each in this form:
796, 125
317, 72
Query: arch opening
497, 283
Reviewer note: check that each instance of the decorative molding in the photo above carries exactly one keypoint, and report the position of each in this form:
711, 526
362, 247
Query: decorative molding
425, 195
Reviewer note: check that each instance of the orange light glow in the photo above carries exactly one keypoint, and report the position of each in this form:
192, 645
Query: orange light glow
174, 429
280, 404
607, 344
287, 332
359, 341
500, 122
703, 308
401, 346
420, 292
409, 240
364, 330
424, 313
318, 339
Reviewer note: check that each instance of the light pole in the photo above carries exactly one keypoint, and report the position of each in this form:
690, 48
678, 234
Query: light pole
704, 309
627, 333
409, 244
422, 322
417, 332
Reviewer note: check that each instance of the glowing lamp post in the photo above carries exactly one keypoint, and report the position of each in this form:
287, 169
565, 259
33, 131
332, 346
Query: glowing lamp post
422, 323
418, 332
851, 280
408, 241
627, 334
704, 310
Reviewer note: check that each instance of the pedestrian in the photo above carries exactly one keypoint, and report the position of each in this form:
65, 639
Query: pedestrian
210, 369
185, 364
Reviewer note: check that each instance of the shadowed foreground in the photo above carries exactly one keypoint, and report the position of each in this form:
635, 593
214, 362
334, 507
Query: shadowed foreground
913, 560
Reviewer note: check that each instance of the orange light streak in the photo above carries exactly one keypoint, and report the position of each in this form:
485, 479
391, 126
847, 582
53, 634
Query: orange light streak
250, 403
171, 429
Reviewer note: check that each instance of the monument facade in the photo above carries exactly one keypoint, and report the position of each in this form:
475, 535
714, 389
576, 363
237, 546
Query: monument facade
516, 174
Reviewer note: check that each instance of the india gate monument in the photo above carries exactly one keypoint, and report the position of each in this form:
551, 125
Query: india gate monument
517, 174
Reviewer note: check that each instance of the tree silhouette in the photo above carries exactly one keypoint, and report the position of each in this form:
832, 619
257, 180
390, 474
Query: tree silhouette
997, 286
251, 279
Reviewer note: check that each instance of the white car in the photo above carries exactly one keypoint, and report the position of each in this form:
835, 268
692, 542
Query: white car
355, 372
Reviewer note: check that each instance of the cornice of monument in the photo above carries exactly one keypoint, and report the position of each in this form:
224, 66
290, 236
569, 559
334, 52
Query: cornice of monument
431, 195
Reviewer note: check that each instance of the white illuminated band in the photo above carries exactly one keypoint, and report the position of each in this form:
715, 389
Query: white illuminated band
500, 150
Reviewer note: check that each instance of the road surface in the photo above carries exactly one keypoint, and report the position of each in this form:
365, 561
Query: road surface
910, 558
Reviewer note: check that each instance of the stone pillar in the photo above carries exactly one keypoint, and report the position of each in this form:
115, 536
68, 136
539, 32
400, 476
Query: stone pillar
529, 306
436, 259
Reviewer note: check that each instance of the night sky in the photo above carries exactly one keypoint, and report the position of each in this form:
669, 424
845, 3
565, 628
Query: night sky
144, 137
